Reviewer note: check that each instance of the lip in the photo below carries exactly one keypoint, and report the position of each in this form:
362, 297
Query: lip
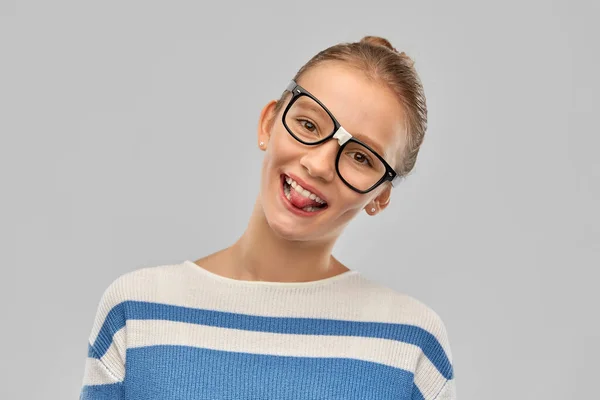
307, 187
293, 209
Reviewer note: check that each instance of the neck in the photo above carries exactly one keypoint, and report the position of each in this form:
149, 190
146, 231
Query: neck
260, 254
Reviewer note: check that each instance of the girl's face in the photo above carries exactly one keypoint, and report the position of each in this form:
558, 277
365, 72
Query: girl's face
366, 109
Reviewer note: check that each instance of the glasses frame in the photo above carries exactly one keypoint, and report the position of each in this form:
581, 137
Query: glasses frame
343, 137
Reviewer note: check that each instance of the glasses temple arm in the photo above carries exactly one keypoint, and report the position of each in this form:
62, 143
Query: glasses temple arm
291, 86
397, 179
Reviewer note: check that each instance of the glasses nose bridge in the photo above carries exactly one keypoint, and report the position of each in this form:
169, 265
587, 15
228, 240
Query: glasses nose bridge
342, 136
319, 161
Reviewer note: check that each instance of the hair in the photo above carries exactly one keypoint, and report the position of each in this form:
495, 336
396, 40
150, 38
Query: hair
380, 61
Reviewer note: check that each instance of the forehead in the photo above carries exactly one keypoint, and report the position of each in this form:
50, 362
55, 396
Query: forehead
366, 108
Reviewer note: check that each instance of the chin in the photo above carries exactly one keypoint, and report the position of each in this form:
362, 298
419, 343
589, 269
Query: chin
286, 228
291, 230
286, 233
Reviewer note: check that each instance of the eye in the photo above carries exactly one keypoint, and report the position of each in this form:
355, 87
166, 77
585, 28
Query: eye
306, 124
361, 158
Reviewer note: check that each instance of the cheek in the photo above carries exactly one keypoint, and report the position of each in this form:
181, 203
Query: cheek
349, 203
278, 155
353, 203
281, 150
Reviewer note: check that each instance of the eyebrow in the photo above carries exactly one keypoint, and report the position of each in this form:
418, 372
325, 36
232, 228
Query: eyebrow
365, 139
316, 108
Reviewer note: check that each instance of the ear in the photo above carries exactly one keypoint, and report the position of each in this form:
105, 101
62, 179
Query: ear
265, 122
381, 201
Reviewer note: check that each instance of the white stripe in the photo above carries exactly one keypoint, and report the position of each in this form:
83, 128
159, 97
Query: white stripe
448, 391
114, 358
353, 298
134, 286
427, 378
160, 332
96, 373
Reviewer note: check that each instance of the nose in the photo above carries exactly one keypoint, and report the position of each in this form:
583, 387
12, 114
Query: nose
319, 160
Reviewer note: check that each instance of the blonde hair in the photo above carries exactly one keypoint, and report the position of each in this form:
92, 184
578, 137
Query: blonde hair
379, 60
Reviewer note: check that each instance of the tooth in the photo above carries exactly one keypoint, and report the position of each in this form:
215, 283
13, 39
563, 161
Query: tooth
303, 191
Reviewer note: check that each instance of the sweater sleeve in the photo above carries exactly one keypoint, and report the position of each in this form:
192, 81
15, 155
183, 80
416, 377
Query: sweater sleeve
104, 371
434, 373
448, 391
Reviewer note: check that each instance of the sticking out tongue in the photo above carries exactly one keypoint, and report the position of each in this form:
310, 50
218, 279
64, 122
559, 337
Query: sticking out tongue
300, 201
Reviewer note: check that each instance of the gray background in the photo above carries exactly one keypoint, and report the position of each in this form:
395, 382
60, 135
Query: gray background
128, 139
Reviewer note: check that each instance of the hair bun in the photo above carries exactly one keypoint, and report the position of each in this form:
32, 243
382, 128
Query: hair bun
378, 41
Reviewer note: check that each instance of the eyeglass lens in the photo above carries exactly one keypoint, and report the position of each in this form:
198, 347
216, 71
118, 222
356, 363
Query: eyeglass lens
308, 122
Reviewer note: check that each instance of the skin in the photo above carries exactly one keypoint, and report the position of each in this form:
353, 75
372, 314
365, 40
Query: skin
279, 246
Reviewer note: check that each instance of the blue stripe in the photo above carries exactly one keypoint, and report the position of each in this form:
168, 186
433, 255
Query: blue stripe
179, 372
92, 352
416, 394
135, 310
112, 391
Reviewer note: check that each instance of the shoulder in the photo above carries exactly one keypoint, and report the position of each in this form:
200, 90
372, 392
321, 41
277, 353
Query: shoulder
397, 306
144, 284
161, 283
407, 312
420, 314
420, 326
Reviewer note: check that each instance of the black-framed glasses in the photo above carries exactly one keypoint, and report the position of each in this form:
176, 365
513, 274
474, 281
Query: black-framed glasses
356, 163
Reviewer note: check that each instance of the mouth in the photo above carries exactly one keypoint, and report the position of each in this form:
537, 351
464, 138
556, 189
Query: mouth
300, 200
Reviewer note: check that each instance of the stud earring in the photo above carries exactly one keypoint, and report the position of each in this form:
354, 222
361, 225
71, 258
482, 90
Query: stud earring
373, 209
262, 144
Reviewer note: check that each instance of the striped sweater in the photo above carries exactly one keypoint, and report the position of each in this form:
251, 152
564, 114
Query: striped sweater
179, 331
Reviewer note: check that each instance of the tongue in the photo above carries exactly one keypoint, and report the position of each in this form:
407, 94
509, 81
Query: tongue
300, 201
